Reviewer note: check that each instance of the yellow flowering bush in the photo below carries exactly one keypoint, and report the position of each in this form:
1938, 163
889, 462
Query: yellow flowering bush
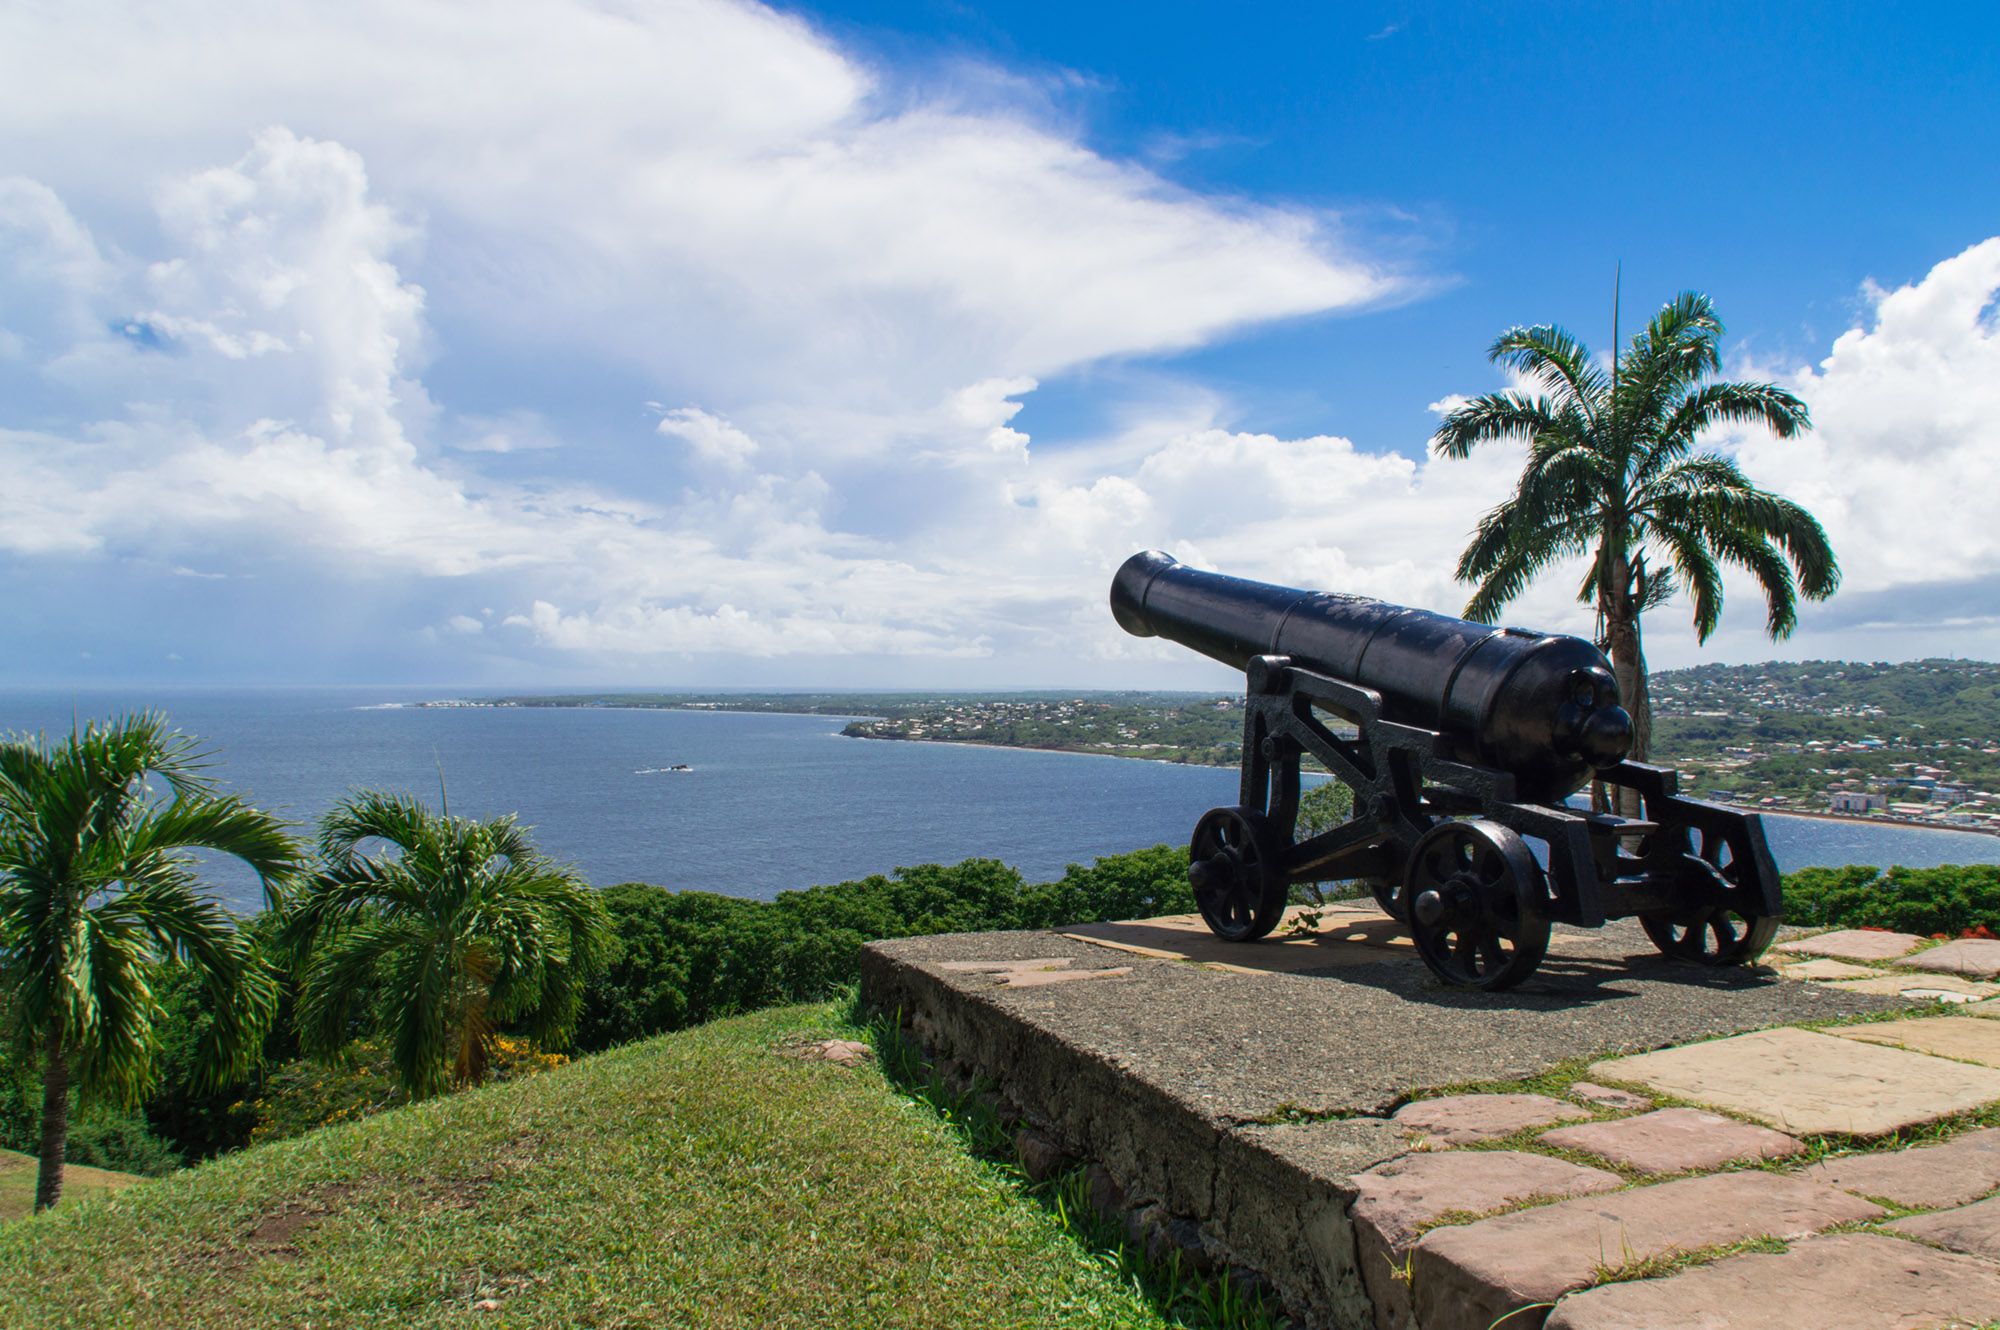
303, 1095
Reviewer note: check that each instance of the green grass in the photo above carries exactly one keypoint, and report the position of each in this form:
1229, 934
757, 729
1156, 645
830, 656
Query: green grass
17, 1183
694, 1180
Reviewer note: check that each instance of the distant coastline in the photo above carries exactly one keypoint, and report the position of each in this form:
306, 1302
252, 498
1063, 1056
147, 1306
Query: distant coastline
1908, 823
862, 725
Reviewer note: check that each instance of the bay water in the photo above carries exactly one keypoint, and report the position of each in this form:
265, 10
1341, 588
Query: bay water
767, 802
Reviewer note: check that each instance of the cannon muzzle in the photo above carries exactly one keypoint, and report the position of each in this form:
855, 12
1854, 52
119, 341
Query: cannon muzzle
1541, 706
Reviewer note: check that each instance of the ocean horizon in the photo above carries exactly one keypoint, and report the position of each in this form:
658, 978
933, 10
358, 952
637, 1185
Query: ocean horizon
743, 803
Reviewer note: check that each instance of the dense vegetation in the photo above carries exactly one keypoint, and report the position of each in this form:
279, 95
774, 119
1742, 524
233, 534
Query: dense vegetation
681, 958
674, 959
1947, 901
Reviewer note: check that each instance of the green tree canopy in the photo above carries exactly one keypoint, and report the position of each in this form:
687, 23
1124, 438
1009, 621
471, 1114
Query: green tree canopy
1615, 476
453, 929
99, 891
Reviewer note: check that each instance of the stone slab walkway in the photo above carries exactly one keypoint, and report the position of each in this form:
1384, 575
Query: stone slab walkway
1854, 944
1958, 1037
1848, 1281
1469, 1276
1673, 1140
1275, 1107
1807, 1083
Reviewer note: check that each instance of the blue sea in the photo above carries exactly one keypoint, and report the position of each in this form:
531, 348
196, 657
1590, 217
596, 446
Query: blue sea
769, 802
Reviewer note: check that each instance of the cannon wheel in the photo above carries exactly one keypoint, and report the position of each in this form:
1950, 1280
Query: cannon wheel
1718, 931
1388, 894
1478, 905
1233, 867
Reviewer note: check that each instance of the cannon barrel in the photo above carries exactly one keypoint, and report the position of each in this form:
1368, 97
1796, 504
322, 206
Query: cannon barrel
1540, 706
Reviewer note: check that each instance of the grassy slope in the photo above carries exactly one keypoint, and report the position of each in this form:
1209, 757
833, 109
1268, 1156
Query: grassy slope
17, 1183
694, 1180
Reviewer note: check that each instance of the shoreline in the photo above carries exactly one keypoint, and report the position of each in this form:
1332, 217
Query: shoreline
1867, 819
1871, 820
1861, 818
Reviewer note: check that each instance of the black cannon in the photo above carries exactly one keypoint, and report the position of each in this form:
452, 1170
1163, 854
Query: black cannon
1462, 744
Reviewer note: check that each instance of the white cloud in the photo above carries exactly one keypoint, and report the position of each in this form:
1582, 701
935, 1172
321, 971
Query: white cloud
515, 431
1900, 464
727, 200
710, 437
265, 361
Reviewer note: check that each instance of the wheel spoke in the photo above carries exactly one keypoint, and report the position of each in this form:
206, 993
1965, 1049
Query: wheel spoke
1725, 932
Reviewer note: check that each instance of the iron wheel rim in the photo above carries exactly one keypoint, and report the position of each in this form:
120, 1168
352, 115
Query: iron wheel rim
1246, 897
1477, 905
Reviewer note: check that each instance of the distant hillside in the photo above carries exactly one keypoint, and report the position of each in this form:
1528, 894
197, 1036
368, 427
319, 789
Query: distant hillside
1922, 733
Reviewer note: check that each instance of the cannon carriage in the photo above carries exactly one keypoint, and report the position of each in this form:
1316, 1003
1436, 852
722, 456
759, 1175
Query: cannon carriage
1462, 744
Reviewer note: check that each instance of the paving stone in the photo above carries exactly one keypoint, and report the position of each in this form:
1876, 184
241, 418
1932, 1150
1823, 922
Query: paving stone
1973, 1229
1947, 1036
1043, 978
1344, 937
1006, 966
1961, 1169
1032, 972
1468, 1277
1845, 1281
1854, 944
1605, 1096
1461, 1119
1826, 967
1921, 987
1673, 1140
1394, 1200
1806, 1083
1975, 956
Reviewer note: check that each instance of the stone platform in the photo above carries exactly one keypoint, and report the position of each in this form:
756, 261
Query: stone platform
1277, 1108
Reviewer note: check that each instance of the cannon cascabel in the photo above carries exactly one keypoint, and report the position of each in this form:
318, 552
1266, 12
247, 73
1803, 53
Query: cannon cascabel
1542, 706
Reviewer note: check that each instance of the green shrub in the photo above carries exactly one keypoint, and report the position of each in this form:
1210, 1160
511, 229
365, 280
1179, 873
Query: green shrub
101, 1136
681, 958
1951, 900
304, 1095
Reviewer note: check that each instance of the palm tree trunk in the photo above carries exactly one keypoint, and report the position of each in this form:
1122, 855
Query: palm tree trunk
1628, 664
55, 1122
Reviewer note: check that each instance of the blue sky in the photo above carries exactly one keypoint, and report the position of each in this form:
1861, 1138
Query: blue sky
693, 343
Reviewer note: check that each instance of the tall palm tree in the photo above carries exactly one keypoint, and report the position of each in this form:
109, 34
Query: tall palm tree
457, 928
1614, 474
98, 891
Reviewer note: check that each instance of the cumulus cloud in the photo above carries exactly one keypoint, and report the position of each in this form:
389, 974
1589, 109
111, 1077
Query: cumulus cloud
340, 321
727, 199
1907, 431
709, 437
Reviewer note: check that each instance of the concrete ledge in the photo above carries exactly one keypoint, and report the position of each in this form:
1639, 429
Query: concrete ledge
1237, 1104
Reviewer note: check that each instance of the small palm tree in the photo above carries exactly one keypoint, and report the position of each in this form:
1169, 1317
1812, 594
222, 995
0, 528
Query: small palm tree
1614, 475
459, 928
97, 892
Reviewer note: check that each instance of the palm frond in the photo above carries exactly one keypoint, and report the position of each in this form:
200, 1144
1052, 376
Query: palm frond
1559, 364
1494, 417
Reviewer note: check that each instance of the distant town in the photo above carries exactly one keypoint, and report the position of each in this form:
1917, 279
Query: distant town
1916, 742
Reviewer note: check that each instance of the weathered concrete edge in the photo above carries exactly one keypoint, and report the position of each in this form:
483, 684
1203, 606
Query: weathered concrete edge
1254, 1207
